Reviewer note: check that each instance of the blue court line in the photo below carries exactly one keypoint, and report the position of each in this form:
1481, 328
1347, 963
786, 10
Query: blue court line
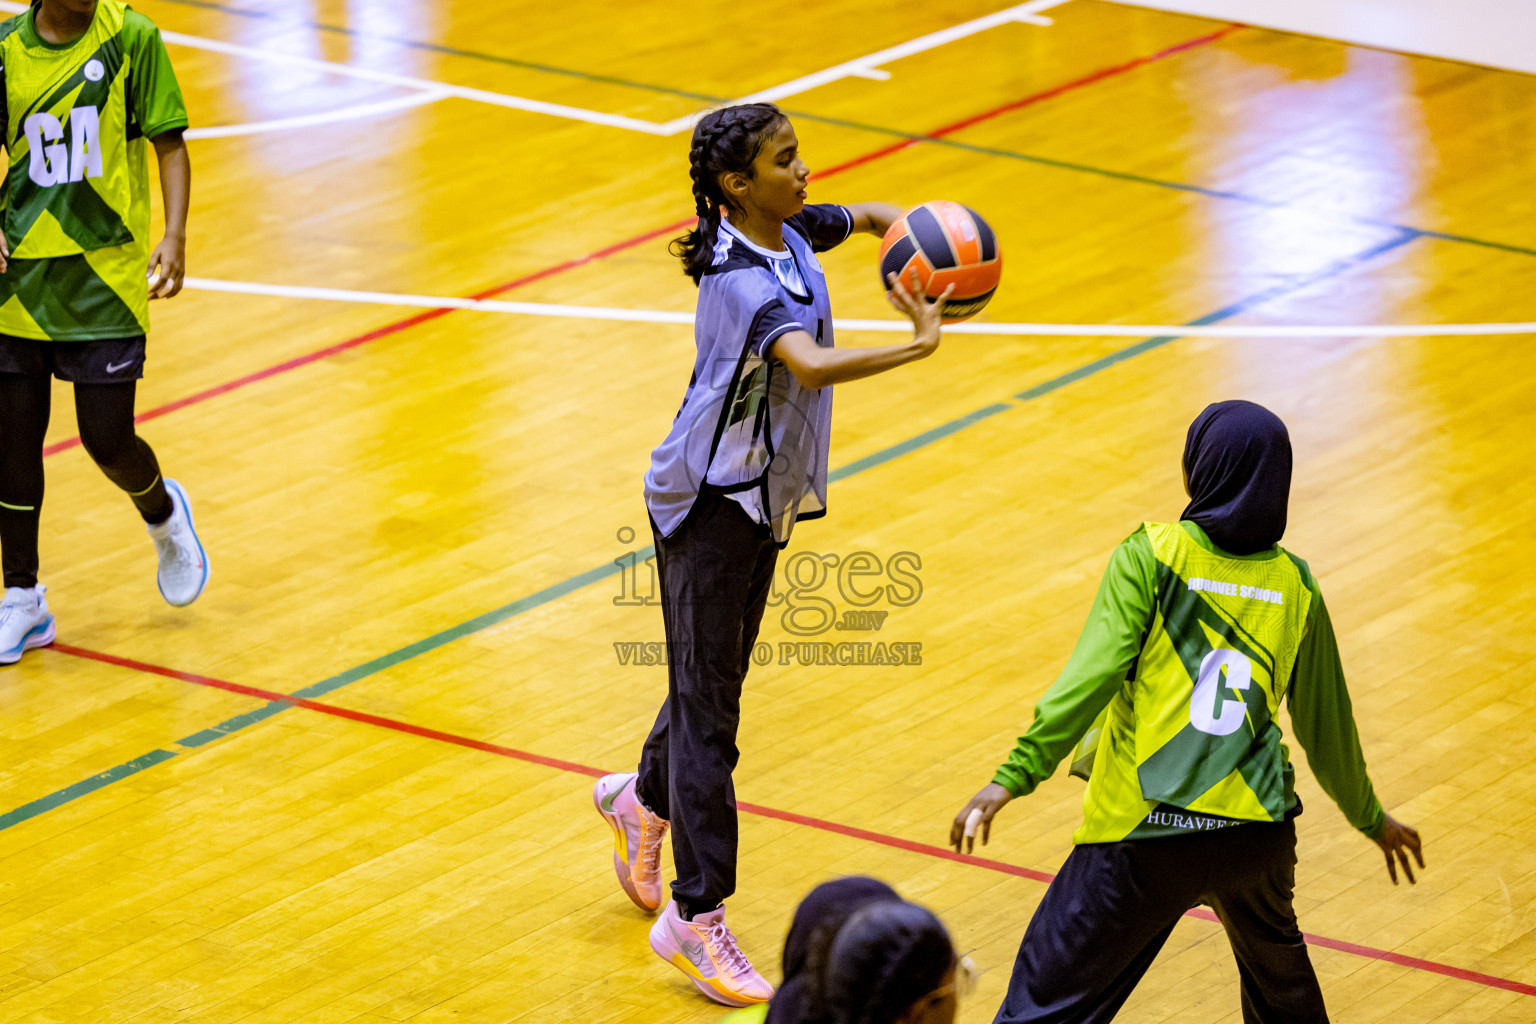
584, 579
927, 437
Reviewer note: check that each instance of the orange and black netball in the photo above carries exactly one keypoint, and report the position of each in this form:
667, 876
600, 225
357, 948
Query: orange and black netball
947, 244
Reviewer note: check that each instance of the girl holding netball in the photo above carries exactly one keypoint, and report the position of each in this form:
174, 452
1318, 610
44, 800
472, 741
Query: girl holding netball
87, 89
1199, 630
745, 460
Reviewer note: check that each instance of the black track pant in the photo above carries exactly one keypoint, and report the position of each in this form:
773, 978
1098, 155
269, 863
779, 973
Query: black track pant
716, 571
105, 416
1114, 904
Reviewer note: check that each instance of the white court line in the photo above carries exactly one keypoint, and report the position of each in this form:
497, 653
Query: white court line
353, 113
498, 99
863, 67
403, 81
869, 66
652, 316
658, 316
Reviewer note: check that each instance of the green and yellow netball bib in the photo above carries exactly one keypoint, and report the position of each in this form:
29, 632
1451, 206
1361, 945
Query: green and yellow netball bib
77, 200
1191, 741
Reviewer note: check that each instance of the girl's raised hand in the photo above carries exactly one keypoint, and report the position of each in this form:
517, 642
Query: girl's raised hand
926, 317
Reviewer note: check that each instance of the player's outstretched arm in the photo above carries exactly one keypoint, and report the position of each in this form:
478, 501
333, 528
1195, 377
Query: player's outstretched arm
1323, 720
1107, 648
817, 367
873, 218
168, 263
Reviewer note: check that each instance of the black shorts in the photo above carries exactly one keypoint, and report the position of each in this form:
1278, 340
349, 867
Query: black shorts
107, 361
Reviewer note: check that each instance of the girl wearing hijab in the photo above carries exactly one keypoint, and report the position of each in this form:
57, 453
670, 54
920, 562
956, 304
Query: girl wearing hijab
1198, 631
857, 953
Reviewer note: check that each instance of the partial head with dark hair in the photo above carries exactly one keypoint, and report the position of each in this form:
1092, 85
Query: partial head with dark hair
892, 963
726, 142
818, 919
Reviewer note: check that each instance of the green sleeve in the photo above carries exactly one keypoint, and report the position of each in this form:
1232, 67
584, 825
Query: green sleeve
1107, 649
1324, 721
154, 98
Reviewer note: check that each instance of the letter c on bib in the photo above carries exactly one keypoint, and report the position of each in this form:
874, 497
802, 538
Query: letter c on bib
1203, 711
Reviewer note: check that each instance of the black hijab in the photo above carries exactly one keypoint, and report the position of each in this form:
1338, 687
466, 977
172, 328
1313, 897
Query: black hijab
817, 920
1237, 461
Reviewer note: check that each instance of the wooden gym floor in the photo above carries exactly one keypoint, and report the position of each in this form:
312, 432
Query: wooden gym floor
416, 516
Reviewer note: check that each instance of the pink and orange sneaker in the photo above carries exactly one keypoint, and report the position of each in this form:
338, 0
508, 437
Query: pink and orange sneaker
637, 836
706, 951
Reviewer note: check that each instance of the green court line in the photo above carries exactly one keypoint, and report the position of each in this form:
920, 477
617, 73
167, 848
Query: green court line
710, 99
912, 444
84, 786
594, 575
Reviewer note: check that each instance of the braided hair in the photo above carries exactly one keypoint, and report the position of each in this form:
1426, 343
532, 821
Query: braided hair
887, 957
725, 141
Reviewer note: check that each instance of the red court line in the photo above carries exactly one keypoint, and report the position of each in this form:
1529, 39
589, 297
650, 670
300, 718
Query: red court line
328, 709
629, 243
381, 332
1039, 97
896, 842
911, 846
1402, 959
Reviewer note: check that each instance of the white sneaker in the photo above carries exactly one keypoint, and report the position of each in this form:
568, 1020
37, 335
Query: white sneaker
183, 569
705, 950
24, 622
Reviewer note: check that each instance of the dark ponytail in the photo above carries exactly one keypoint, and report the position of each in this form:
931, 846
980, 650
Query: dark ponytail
886, 958
724, 141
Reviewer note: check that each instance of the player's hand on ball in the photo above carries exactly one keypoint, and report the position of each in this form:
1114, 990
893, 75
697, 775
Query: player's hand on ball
926, 317
1397, 839
978, 814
